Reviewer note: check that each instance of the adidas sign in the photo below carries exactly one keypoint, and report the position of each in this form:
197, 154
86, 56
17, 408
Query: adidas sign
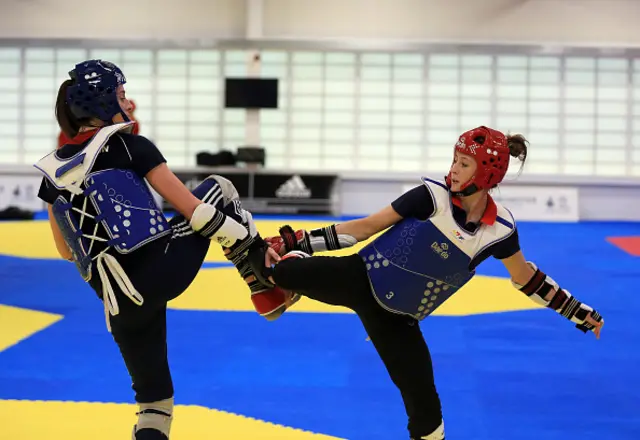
294, 188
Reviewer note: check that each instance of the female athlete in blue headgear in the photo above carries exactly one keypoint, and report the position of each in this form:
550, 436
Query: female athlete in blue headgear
439, 232
103, 217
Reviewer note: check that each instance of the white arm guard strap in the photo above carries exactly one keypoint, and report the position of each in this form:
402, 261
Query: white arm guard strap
562, 301
538, 286
214, 224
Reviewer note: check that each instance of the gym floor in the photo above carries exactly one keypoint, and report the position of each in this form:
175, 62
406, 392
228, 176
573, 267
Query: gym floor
505, 369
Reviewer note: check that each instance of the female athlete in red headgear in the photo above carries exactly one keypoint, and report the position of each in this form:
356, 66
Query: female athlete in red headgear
439, 232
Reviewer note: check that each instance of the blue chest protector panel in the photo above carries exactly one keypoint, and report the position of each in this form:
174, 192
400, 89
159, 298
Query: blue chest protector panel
126, 208
415, 266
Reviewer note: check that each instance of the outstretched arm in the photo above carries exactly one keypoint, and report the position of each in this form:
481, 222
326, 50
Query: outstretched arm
335, 236
363, 228
542, 289
415, 203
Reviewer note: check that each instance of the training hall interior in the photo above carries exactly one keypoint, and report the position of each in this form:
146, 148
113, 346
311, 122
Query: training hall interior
322, 113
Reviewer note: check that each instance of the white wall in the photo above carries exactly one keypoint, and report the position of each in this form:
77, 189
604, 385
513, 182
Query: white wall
498, 21
129, 19
502, 21
598, 22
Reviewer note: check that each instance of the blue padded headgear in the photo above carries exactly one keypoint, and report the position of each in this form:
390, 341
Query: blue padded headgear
94, 90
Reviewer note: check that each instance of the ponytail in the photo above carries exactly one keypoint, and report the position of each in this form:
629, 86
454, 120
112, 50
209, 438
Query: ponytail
68, 123
518, 147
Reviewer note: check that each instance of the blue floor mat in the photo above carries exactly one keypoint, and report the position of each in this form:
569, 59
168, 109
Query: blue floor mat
512, 376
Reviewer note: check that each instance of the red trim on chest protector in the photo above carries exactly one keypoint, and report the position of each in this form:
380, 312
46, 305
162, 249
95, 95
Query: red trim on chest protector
490, 212
82, 137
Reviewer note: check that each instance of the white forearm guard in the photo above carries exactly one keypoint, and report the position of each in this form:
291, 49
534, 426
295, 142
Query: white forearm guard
318, 240
327, 239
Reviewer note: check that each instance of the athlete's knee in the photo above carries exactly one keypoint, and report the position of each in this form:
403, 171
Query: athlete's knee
216, 190
154, 420
220, 216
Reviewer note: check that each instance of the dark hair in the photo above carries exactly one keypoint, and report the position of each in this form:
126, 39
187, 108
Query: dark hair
518, 147
69, 124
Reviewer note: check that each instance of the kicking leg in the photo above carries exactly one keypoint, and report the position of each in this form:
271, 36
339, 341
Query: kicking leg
217, 192
223, 196
331, 280
269, 301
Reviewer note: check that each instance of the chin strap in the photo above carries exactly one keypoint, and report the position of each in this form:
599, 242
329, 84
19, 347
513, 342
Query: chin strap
469, 190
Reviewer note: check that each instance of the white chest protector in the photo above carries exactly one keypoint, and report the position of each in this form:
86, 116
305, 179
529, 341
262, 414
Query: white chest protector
416, 265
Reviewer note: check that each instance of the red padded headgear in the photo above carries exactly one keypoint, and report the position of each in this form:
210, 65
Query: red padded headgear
490, 150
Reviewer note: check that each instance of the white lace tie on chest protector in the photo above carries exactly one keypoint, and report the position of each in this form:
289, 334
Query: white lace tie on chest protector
117, 212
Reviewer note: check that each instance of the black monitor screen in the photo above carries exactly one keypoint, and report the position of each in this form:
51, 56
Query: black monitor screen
251, 93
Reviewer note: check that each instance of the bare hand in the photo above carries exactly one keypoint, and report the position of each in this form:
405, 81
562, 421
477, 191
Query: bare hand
597, 325
271, 257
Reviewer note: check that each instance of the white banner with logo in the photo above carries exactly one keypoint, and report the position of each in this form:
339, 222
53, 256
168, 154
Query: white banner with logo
20, 192
539, 203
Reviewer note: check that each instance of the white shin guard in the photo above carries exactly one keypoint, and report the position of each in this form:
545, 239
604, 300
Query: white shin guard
155, 415
215, 225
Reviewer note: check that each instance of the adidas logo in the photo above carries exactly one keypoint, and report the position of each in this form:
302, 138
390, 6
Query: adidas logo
294, 188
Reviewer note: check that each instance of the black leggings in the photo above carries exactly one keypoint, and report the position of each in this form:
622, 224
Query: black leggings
343, 281
141, 331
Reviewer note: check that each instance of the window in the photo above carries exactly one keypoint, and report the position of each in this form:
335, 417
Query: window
11, 150
348, 109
